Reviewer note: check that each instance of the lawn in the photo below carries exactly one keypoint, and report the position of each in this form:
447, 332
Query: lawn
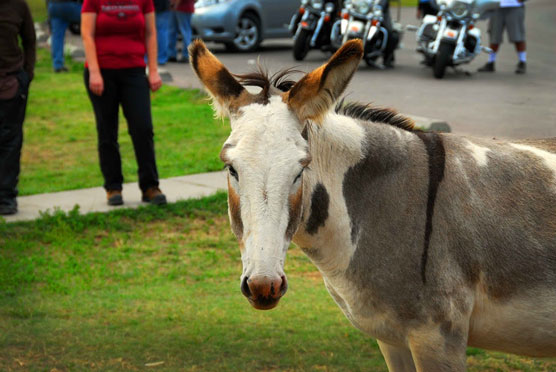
158, 289
60, 145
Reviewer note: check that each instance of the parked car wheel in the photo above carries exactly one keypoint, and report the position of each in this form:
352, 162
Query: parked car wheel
248, 34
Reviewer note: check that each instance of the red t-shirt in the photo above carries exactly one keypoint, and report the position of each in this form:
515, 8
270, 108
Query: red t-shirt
119, 31
186, 6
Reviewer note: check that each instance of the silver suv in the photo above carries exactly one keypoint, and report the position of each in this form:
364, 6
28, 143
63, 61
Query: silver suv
242, 24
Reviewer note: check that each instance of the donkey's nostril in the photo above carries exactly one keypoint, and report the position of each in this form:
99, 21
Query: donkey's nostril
284, 286
245, 288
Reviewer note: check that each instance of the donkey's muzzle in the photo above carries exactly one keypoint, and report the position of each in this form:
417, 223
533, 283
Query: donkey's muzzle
263, 292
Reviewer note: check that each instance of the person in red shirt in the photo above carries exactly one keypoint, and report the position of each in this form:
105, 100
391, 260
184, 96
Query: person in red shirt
182, 10
116, 35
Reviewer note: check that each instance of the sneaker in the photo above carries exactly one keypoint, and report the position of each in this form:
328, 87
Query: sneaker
61, 69
154, 196
114, 197
8, 207
172, 59
521, 68
488, 67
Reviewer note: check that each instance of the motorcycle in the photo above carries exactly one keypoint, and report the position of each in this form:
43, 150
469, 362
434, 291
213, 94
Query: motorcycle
368, 20
451, 38
312, 24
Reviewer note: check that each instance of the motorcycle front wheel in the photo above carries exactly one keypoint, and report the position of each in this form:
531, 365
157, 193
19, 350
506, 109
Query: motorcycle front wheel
443, 59
301, 44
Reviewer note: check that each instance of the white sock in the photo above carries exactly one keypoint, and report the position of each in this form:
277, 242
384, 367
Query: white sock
492, 57
522, 56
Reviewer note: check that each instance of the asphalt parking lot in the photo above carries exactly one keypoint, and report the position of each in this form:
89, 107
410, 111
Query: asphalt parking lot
501, 105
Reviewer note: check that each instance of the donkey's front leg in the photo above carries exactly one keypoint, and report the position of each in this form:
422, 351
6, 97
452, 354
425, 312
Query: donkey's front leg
439, 349
398, 359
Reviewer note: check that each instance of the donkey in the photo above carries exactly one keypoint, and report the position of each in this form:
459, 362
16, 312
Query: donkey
428, 242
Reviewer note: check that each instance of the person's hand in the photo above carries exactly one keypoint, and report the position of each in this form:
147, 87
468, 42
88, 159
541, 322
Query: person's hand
96, 84
418, 13
155, 81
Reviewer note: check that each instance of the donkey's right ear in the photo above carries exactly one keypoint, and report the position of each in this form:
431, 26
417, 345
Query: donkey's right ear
224, 89
313, 95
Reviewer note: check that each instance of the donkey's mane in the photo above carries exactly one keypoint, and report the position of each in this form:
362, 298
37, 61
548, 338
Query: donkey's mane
367, 112
281, 80
261, 78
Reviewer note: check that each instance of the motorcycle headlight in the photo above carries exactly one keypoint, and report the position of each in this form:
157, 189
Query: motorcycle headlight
377, 11
317, 4
304, 2
329, 7
459, 9
361, 6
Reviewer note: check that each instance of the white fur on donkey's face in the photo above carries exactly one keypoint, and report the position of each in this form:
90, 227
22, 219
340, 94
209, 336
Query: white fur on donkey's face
267, 153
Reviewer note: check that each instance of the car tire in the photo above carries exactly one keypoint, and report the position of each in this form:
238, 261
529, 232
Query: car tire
248, 37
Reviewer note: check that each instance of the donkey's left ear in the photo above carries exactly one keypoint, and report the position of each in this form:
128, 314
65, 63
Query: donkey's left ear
313, 95
225, 90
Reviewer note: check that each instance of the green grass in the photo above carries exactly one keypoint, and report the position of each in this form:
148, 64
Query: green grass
60, 145
116, 291
38, 10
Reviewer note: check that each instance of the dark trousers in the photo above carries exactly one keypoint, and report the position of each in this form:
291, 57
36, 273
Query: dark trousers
129, 88
12, 115
427, 9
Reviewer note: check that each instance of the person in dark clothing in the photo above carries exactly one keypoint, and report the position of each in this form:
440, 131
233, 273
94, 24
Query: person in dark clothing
426, 7
393, 38
61, 13
16, 72
114, 76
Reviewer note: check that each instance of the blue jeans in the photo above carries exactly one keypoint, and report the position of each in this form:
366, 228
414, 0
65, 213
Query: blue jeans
180, 21
162, 25
61, 15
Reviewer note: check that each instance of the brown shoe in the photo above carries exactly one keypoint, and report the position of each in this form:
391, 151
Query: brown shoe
114, 197
154, 196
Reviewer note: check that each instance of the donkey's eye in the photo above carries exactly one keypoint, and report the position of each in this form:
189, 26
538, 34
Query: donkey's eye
298, 176
233, 172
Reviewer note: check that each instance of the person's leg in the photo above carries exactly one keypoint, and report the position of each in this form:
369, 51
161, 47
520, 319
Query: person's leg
12, 116
162, 24
106, 114
172, 36
74, 12
186, 32
495, 29
516, 34
393, 38
59, 26
136, 105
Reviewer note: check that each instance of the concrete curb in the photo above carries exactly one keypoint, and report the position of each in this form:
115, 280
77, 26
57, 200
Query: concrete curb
94, 199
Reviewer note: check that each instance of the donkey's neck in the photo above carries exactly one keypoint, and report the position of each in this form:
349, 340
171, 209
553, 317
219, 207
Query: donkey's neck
346, 154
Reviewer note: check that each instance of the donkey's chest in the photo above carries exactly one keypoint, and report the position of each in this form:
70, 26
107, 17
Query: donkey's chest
365, 312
